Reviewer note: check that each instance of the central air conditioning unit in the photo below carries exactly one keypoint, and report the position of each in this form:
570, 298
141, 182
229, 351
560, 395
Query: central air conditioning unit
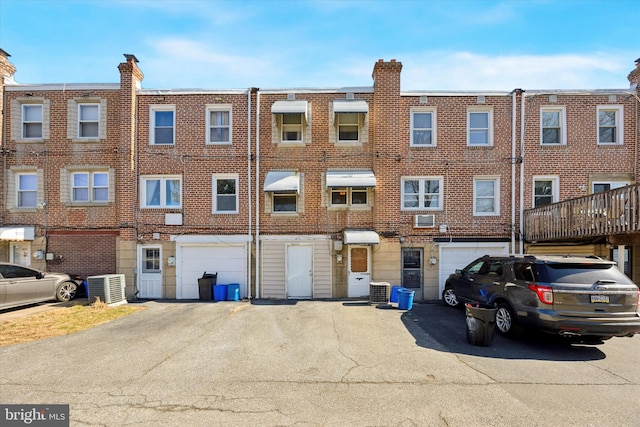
110, 288
424, 221
379, 292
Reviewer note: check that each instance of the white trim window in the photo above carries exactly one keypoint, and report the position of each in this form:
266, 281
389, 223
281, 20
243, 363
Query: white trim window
545, 190
610, 129
218, 124
292, 127
32, 119
225, 194
553, 130
90, 187
348, 127
161, 191
89, 120
479, 127
162, 126
423, 127
600, 186
27, 190
422, 193
285, 202
486, 196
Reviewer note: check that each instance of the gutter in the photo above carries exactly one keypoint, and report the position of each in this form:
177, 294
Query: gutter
257, 181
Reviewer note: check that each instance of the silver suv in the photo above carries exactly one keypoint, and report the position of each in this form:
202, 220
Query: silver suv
582, 298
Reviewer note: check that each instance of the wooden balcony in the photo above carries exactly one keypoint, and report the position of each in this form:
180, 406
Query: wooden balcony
613, 214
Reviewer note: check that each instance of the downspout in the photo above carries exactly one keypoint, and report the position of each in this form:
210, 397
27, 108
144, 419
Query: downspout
521, 209
250, 213
513, 170
258, 195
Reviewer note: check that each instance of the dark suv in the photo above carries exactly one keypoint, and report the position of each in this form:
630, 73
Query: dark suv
583, 298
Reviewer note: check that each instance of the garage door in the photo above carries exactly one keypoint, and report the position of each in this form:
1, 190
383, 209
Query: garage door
458, 255
229, 261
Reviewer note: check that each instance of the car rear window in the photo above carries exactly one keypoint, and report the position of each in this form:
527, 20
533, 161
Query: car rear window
580, 273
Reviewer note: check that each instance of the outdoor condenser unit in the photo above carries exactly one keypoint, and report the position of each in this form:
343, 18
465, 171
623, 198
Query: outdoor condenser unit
110, 288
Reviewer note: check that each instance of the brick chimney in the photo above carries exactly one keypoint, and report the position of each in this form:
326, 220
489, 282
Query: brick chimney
634, 76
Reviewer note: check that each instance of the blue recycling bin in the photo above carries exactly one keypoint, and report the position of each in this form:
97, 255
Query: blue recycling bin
394, 293
220, 293
405, 299
233, 292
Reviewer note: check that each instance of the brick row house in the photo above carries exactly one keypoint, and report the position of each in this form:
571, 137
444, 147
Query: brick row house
297, 193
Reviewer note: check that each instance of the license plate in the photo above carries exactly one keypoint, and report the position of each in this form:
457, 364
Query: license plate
600, 299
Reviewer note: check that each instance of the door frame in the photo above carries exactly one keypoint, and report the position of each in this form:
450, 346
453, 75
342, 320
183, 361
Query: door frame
419, 289
141, 248
351, 275
286, 274
12, 259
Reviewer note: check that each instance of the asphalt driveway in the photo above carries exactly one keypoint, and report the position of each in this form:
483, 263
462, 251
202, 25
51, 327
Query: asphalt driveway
316, 363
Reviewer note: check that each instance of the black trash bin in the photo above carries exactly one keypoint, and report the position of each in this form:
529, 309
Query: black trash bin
481, 323
205, 285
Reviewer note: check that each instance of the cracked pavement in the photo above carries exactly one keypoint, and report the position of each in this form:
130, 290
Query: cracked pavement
318, 363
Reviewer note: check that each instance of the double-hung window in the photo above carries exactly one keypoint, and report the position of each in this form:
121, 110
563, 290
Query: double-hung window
486, 196
545, 190
292, 127
423, 126
552, 126
218, 124
225, 194
88, 120
27, 190
610, 130
90, 187
422, 193
162, 125
32, 121
480, 127
161, 191
290, 121
600, 186
348, 127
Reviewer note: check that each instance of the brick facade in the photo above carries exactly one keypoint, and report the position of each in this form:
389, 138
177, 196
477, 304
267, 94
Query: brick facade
92, 237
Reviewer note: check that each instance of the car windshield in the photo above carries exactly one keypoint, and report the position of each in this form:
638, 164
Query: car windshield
581, 273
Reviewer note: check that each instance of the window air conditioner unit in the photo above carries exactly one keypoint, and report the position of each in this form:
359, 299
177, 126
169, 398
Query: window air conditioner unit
110, 288
424, 221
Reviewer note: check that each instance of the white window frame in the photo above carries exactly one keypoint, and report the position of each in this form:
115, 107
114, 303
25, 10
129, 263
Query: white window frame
619, 123
356, 124
26, 122
555, 188
495, 197
219, 108
81, 106
153, 109
422, 194
275, 195
91, 187
612, 184
292, 128
488, 129
163, 182
432, 129
215, 179
349, 194
562, 127
20, 191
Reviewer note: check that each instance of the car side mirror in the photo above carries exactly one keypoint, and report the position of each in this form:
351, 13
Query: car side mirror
39, 275
458, 271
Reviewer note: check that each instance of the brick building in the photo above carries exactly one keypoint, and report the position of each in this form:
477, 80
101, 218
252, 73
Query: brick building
300, 193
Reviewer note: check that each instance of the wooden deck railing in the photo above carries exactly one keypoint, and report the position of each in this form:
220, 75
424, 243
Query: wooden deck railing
600, 214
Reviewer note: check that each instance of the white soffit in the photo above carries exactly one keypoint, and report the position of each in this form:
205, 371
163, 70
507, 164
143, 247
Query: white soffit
350, 106
351, 179
361, 237
282, 182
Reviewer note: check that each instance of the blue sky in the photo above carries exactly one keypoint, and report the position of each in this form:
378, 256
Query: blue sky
443, 45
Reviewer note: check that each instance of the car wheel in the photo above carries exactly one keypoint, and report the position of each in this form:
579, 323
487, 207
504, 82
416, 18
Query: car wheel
66, 291
506, 320
449, 297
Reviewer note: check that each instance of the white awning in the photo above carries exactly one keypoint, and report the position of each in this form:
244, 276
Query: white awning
17, 233
351, 179
350, 106
282, 182
289, 107
361, 237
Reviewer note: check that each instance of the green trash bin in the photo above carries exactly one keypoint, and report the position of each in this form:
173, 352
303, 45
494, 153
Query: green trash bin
481, 323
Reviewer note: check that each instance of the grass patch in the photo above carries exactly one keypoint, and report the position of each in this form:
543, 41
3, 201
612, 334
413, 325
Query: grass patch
61, 321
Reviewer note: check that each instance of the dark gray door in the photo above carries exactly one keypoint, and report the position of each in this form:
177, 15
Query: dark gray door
412, 259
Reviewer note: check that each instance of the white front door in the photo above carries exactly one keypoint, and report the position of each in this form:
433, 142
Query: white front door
359, 271
299, 271
20, 253
150, 271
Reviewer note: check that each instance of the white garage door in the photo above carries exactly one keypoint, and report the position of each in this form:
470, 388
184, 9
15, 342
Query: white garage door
229, 261
458, 255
